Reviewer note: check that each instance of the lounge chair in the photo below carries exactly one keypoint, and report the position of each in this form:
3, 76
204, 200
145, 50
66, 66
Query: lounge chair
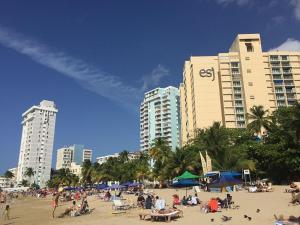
197, 189
167, 215
119, 205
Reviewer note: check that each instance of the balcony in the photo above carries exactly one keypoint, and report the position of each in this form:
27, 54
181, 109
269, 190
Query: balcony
290, 96
239, 111
275, 64
287, 71
236, 84
287, 77
276, 71
281, 103
237, 96
277, 77
240, 118
274, 58
288, 83
290, 90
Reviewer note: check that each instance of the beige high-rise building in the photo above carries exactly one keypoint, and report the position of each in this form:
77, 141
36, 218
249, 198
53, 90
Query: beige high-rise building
224, 87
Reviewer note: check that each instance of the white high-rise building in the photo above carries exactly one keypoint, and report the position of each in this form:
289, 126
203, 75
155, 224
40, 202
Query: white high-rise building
160, 117
37, 143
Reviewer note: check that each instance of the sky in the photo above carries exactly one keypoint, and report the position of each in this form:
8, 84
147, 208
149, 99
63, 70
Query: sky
96, 59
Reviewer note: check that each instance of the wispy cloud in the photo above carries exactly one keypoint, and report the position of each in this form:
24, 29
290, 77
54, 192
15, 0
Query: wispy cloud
238, 2
88, 76
289, 45
155, 77
296, 7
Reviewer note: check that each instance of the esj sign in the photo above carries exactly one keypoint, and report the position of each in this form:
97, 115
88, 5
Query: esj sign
207, 73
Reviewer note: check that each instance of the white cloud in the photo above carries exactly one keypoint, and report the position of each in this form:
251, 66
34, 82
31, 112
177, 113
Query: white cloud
289, 45
88, 76
238, 2
296, 5
154, 78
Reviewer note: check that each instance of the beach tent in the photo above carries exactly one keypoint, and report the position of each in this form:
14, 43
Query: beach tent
115, 186
134, 184
186, 180
127, 183
101, 186
224, 181
185, 183
187, 175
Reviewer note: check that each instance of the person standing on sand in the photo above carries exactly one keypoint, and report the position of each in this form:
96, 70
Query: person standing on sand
55, 203
6, 212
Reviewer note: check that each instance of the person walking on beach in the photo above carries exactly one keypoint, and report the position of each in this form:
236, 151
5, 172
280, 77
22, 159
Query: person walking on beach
55, 203
6, 212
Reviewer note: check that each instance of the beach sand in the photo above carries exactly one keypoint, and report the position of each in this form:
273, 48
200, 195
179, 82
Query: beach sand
32, 211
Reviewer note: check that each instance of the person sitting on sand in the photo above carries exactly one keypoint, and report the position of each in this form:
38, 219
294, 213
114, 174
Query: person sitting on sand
107, 196
140, 201
160, 203
148, 202
192, 200
295, 198
183, 201
84, 207
292, 219
72, 211
176, 200
213, 205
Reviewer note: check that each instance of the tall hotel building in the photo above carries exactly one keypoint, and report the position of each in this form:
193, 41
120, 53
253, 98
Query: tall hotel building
37, 142
224, 87
159, 117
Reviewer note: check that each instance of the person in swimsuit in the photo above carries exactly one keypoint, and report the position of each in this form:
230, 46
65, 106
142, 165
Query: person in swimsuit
55, 203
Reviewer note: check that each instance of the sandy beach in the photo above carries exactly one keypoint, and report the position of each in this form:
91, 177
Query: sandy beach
32, 211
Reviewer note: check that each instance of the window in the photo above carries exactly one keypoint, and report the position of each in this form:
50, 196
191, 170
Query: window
247, 58
250, 83
249, 47
252, 97
249, 70
234, 64
284, 57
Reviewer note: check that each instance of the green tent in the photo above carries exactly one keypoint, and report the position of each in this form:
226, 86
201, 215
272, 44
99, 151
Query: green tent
187, 175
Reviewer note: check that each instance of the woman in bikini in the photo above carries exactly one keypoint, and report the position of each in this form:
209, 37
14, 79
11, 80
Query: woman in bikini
55, 203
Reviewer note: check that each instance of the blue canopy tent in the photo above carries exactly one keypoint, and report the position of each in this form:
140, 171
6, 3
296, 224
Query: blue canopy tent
224, 181
185, 183
101, 186
115, 186
127, 183
134, 184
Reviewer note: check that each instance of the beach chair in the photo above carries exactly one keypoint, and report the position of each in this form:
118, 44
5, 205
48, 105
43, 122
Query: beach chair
119, 205
167, 216
197, 189
269, 188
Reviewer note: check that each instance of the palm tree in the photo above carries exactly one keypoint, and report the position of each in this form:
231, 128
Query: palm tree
86, 172
8, 174
183, 159
259, 119
160, 151
29, 173
123, 156
24, 183
296, 121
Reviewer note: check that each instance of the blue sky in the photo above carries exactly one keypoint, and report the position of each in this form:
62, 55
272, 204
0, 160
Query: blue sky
95, 59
